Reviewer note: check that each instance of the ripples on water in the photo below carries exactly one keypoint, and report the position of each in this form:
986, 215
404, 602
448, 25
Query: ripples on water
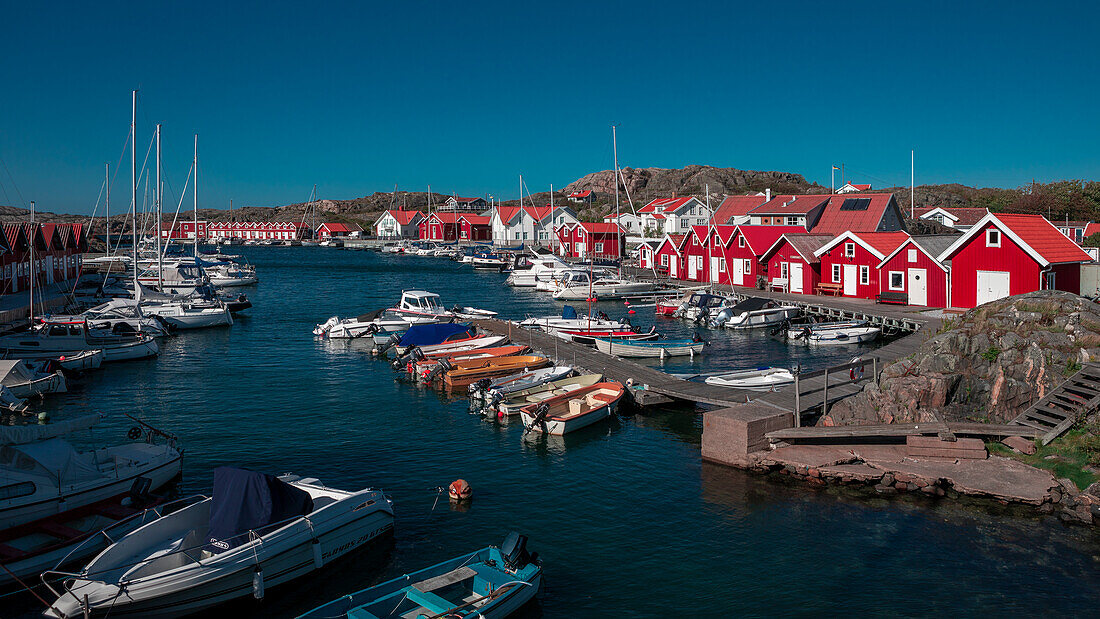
626, 518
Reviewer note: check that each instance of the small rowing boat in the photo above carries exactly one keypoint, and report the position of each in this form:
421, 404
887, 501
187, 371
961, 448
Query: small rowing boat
463, 373
831, 333
574, 410
491, 583
759, 379
423, 365
533, 395
652, 349
495, 390
588, 337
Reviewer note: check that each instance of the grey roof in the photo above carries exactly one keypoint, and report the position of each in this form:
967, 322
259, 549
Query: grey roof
807, 244
935, 244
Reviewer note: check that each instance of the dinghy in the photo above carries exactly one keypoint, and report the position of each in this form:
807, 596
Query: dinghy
491, 583
832, 333
426, 335
256, 532
423, 364
574, 410
25, 379
589, 337
653, 349
518, 400
496, 390
463, 373
760, 379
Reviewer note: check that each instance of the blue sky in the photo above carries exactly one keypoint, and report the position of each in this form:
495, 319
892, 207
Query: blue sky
466, 96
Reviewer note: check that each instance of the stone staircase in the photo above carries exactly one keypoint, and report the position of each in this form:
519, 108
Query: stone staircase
1057, 411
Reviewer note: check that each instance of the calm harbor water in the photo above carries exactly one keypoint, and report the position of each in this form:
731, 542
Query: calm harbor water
626, 518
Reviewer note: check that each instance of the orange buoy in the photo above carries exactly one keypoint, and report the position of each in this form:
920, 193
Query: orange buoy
459, 490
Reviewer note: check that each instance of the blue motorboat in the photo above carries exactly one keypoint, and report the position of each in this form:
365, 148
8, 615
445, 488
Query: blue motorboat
490, 583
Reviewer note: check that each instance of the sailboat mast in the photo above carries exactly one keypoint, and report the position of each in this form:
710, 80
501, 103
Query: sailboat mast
195, 162
34, 271
552, 235
615, 152
107, 219
160, 254
133, 188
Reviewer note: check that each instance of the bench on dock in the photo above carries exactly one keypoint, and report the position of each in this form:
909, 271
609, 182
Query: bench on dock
900, 298
830, 289
778, 283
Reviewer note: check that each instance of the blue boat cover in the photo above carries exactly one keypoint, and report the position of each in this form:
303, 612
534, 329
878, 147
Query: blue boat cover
568, 312
245, 500
426, 335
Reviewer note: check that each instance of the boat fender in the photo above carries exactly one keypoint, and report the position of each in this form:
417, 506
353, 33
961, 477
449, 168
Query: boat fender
258, 582
318, 558
856, 373
459, 490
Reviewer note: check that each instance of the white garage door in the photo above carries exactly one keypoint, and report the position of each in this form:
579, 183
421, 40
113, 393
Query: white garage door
992, 285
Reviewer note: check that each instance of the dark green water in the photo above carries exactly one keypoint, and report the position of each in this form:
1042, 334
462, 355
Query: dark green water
626, 518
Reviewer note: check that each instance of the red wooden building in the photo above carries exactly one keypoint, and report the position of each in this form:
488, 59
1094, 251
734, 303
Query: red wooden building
593, 240
851, 260
475, 228
184, 229
440, 227
669, 256
338, 230
1006, 255
58, 250
914, 269
258, 230
742, 250
792, 264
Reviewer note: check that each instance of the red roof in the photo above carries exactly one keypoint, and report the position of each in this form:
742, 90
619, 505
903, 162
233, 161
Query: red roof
675, 240
1044, 238
790, 205
735, 206
476, 220
446, 217
665, 205
404, 217
580, 194
836, 219
881, 244
860, 187
1091, 229
335, 227
761, 238
600, 228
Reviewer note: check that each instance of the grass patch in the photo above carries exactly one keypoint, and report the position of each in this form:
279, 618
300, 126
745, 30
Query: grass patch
991, 354
1076, 449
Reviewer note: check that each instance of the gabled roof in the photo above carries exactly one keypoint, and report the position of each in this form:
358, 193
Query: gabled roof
959, 215
600, 228
403, 217
790, 205
736, 206
1091, 229
446, 217
862, 213
34, 231
476, 220
666, 205
462, 200
337, 227
52, 236
761, 238
1032, 233
856, 187
804, 244
675, 241
931, 245
581, 194
16, 237
880, 244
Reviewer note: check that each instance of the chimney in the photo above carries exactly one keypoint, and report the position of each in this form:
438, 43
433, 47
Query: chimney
768, 194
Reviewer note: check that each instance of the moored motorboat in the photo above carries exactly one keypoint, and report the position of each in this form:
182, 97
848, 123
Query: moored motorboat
574, 410
421, 365
602, 288
498, 389
759, 379
462, 373
754, 313
25, 379
832, 333
700, 306
73, 336
424, 335
518, 400
569, 321
256, 532
652, 349
491, 583
588, 337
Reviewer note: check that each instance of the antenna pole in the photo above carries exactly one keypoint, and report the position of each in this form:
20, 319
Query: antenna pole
912, 182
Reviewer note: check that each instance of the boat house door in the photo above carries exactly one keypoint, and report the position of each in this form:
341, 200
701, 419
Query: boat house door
795, 277
851, 272
739, 272
672, 263
692, 271
715, 265
917, 287
992, 285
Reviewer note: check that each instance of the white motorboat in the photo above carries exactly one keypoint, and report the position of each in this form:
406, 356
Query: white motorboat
650, 348
540, 267
700, 306
578, 288
489, 261
422, 304
231, 275
753, 313
176, 277
77, 362
574, 410
66, 338
832, 333
458, 345
569, 321
515, 401
256, 532
197, 314
495, 390
25, 379
43, 475
380, 324
759, 379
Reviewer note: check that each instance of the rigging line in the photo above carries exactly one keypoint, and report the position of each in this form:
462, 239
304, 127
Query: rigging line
175, 218
14, 185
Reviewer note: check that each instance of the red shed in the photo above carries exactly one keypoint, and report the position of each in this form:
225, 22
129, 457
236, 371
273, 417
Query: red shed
852, 260
1006, 255
697, 254
474, 228
792, 265
597, 240
914, 269
440, 227
743, 248
669, 258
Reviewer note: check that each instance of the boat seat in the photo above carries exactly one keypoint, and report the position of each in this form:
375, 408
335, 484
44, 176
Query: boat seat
429, 600
60, 530
601, 397
443, 580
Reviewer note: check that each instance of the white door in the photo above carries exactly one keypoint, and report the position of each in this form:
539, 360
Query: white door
692, 271
715, 264
851, 272
673, 261
917, 286
795, 275
992, 285
739, 272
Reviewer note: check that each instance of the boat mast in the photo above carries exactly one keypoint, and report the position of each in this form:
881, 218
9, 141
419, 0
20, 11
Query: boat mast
552, 218
107, 219
615, 151
34, 271
160, 255
195, 162
133, 189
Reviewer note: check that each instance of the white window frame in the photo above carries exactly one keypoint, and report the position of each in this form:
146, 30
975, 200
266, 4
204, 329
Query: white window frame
748, 266
740, 241
901, 280
912, 253
864, 275
664, 260
849, 250
597, 247
784, 270
721, 265
990, 235
792, 220
836, 273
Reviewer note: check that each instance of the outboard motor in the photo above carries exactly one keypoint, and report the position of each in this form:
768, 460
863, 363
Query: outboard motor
381, 349
370, 330
437, 370
479, 388
514, 552
722, 318
540, 416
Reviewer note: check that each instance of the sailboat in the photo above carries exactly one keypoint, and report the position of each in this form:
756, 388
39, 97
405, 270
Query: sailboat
311, 210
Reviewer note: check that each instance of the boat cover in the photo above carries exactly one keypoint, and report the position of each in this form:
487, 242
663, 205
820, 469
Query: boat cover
17, 435
427, 335
751, 304
53, 458
372, 316
246, 500
568, 313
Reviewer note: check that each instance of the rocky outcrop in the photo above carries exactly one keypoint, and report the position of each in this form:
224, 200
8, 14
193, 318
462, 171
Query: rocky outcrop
644, 183
987, 365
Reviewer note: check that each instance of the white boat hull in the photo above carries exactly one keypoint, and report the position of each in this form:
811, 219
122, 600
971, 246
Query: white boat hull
623, 348
762, 318
557, 427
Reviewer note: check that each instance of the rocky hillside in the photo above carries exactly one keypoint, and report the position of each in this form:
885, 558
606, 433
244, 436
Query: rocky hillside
648, 183
987, 365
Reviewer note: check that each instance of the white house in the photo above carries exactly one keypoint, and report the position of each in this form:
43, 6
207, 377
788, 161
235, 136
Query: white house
850, 188
398, 224
513, 225
458, 203
627, 221
673, 215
